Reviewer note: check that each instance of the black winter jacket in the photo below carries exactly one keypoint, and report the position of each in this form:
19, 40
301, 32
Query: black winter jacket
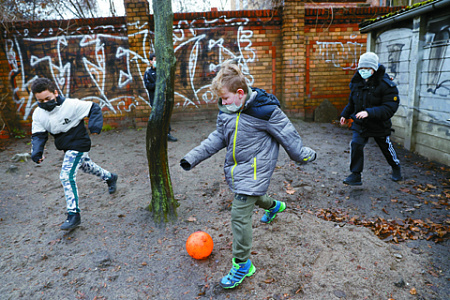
150, 83
379, 97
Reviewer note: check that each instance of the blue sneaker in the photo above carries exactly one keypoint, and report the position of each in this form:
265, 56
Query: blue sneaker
237, 274
271, 213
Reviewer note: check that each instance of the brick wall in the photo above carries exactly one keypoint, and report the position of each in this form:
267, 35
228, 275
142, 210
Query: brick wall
202, 41
333, 47
303, 56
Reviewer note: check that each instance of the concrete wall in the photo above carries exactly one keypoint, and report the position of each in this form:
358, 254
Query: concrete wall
417, 54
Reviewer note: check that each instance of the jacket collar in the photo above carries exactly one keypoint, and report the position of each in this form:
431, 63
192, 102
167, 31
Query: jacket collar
60, 99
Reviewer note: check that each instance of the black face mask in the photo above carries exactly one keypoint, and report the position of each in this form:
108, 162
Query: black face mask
49, 105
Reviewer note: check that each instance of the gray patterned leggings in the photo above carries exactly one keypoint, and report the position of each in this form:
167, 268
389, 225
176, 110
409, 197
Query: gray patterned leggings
74, 160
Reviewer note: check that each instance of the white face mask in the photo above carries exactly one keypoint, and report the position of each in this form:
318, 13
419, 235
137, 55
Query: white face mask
365, 73
154, 64
233, 107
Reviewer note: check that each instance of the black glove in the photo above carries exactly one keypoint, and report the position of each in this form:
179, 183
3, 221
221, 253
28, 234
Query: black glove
185, 164
36, 157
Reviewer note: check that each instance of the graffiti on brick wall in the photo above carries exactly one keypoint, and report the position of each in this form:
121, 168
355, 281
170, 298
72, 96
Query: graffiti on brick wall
89, 67
100, 67
340, 54
202, 52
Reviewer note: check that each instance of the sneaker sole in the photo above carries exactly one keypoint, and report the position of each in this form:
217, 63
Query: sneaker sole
70, 228
250, 273
352, 183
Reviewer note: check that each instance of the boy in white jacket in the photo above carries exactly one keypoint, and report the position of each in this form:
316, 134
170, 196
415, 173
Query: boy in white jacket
64, 120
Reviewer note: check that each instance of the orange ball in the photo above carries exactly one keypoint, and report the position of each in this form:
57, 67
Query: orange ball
199, 245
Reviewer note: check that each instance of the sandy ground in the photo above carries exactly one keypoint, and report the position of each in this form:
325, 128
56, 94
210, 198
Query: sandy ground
119, 253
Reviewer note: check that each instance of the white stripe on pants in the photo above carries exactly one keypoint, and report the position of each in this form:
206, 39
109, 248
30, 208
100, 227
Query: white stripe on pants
74, 160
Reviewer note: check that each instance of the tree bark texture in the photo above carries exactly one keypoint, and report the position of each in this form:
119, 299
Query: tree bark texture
163, 204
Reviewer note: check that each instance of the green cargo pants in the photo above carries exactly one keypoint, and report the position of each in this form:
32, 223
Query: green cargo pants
241, 222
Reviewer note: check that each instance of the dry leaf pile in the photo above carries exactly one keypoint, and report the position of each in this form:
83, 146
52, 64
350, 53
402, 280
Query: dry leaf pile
392, 230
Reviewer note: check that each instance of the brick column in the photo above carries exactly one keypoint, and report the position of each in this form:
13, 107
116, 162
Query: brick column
9, 119
138, 23
293, 31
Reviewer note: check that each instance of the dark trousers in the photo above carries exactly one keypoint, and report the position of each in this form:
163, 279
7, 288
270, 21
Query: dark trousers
357, 151
151, 98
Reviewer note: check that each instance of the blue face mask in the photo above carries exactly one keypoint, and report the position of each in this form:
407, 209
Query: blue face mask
365, 73
154, 64
49, 105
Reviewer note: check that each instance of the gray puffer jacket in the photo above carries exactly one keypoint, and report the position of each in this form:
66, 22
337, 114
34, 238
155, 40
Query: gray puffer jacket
252, 138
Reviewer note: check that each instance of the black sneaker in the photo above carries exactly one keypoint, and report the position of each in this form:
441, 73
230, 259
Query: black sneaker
353, 179
171, 138
396, 174
73, 220
112, 183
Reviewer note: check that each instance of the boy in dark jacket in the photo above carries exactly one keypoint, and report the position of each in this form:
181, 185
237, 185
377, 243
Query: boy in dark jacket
372, 102
150, 85
64, 120
251, 126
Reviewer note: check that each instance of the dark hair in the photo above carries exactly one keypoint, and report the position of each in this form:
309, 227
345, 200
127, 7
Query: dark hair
43, 84
152, 55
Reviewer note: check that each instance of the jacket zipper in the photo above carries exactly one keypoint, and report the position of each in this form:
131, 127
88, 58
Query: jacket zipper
234, 147
254, 168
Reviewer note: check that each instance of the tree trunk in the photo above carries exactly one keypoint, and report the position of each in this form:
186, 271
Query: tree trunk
163, 204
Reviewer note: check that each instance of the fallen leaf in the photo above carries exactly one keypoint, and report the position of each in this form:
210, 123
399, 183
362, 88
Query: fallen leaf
290, 192
405, 190
413, 291
269, 280
289, 189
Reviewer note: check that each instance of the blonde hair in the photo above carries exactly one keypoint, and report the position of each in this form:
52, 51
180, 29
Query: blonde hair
231, 77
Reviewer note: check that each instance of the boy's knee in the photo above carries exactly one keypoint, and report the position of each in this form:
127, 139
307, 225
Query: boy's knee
357, 144
65, 177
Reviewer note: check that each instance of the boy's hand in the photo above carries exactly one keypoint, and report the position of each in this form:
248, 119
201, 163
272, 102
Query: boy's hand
38, 161
185, 164
308, 159
362, 114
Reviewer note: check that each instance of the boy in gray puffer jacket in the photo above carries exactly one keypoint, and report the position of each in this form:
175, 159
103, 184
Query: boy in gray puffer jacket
251, 125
